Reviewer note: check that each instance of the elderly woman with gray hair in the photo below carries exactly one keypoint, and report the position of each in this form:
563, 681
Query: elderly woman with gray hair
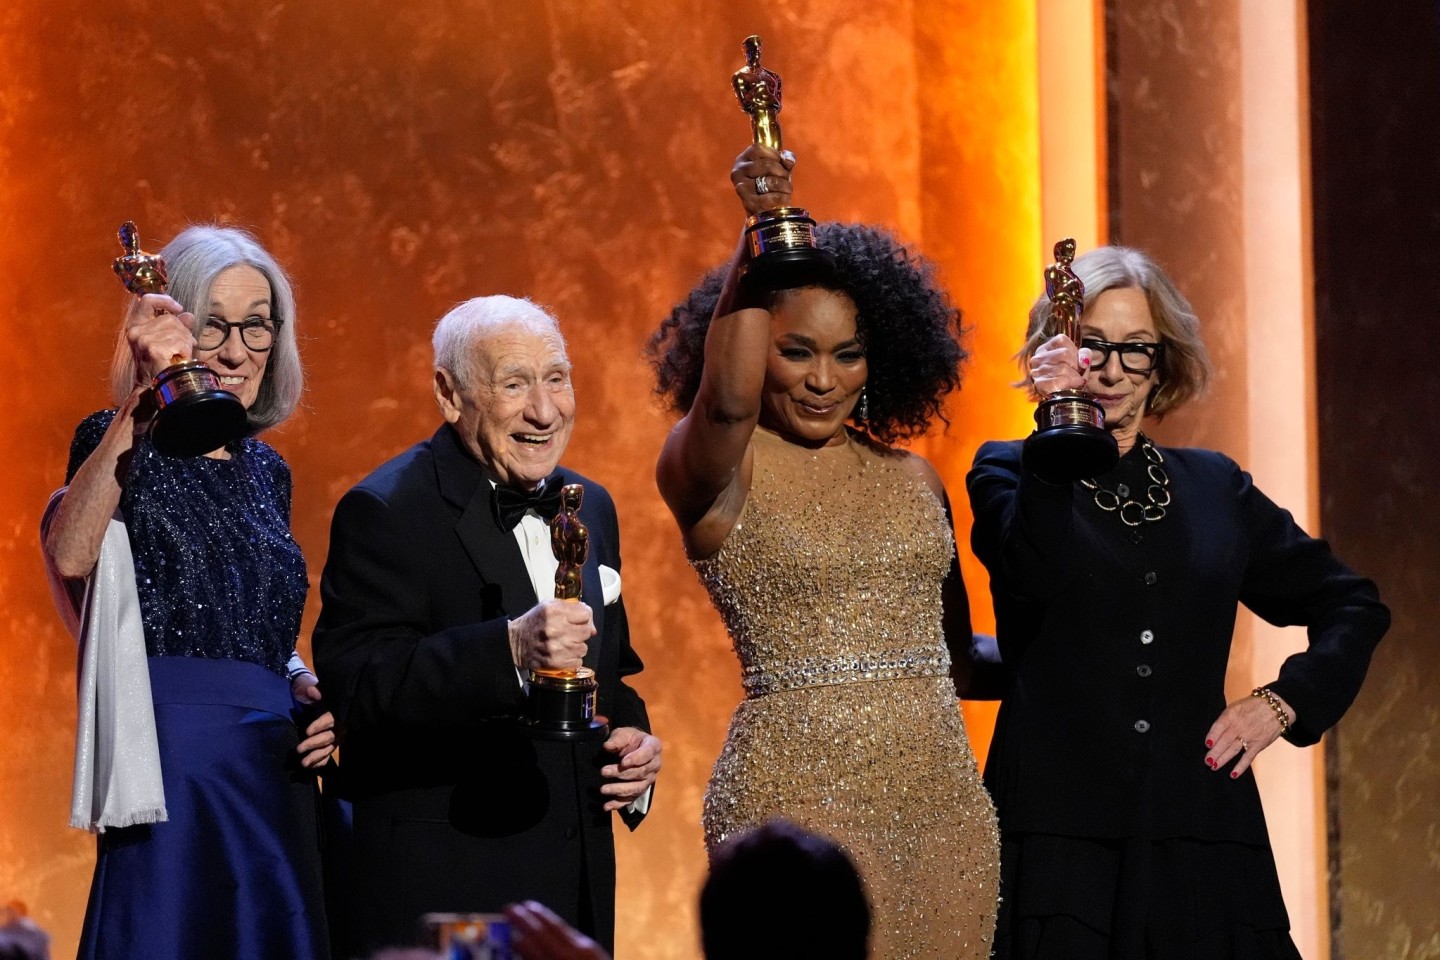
1130, 824
191, 764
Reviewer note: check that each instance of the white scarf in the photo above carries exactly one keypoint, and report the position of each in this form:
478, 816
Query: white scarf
117, 755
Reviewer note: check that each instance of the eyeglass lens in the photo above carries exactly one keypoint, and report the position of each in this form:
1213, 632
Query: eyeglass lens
1135, 357
256, 334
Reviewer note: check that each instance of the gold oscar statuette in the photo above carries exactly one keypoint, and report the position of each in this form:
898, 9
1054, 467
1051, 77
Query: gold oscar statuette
562, 702
781, 241
193, 415
1070, 441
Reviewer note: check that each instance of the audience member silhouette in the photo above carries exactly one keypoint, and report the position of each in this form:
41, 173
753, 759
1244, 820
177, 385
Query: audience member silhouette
774, 893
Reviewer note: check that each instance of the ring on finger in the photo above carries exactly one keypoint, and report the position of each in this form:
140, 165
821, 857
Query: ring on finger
762, 185
1244, 746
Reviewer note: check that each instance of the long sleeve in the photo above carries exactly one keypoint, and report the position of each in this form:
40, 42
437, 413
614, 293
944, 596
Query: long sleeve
384, 666
1023, 525
1130, 628
1024, 534
1294, 579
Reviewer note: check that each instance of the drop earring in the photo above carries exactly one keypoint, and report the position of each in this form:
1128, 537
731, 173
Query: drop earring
864, 416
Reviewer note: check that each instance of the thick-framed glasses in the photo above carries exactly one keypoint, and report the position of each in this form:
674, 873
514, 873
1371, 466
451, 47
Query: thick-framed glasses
1135, 356
255, 333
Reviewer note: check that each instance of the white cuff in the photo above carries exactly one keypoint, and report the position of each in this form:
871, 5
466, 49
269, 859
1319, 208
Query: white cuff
641, 804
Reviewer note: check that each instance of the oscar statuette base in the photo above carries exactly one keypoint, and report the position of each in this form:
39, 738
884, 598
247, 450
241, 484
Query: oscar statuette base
193, 414
561, 706
783, 252
1070, 441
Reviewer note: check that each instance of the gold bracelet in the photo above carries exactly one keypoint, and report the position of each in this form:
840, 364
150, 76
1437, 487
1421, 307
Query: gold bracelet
1268, 695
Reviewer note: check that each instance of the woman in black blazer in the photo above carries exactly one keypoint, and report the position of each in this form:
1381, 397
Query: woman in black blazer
1130, 824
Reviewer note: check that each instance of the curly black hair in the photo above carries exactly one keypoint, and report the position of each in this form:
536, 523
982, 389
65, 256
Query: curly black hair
910, 331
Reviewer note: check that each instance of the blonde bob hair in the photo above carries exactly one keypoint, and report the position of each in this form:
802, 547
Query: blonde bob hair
193, 260
1184, 370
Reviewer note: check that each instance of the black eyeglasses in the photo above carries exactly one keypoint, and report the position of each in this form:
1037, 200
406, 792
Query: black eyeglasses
256, 333
1136, 356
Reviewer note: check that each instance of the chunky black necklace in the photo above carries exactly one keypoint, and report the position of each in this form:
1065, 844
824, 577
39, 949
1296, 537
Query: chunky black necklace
1157, 493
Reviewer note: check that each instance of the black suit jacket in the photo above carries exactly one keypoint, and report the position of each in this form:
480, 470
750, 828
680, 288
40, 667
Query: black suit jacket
1117, 639
455, 807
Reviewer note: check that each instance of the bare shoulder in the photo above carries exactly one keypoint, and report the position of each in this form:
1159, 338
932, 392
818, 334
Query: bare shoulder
921, 467
906, 460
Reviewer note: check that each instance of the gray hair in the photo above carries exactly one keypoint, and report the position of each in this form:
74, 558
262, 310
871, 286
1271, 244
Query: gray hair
1184, 369
457, 332
194, 259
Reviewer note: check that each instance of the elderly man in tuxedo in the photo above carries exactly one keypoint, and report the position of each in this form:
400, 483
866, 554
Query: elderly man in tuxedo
438, 599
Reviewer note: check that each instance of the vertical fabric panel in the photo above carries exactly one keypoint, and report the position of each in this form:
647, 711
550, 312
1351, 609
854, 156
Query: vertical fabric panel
1377, 227
1207, 175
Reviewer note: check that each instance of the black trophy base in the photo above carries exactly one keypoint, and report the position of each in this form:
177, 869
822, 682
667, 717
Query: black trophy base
194, 424
783, 251
562, 712
1072, 451
785, 269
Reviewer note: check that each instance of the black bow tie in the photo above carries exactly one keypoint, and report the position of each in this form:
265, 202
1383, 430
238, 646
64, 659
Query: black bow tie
512, 504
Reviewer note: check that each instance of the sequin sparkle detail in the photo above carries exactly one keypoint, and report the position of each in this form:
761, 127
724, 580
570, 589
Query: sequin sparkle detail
830, 588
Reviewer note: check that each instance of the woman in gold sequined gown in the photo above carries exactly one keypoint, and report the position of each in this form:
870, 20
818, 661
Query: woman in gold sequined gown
831, 559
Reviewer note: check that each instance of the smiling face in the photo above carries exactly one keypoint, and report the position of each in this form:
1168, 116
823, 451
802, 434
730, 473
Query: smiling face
1120, 315
517, 414
816, 368
238, 294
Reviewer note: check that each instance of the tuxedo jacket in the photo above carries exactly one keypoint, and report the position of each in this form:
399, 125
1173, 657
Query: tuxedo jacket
1118, 637
455, 807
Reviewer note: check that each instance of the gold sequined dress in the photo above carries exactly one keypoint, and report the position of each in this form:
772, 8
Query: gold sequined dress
830, 588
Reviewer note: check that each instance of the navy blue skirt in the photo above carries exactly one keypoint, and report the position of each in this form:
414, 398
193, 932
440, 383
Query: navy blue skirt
235, 870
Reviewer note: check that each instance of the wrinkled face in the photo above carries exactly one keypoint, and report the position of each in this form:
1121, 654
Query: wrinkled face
517, 415
239, 294
1120, 315
816, 367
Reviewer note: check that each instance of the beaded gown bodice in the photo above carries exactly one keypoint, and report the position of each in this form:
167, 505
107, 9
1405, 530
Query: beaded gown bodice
848, 549
217, 571
830, 588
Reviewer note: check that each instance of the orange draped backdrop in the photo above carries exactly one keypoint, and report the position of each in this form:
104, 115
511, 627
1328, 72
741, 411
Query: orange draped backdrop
401, 157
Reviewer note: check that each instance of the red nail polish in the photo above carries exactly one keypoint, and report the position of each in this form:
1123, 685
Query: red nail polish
1209, 743
1234, 774
1210, 761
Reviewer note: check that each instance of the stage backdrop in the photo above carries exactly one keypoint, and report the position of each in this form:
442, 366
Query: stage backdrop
402, 157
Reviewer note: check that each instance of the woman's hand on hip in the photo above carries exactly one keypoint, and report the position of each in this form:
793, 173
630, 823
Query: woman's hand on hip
1246, 727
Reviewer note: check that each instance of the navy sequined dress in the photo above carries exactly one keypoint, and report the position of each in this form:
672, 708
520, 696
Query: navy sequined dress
234, 871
